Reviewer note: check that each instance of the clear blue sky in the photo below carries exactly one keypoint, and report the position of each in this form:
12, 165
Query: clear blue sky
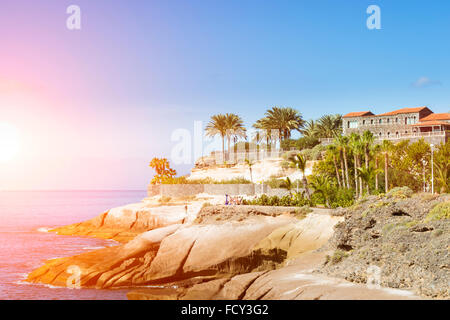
110, 95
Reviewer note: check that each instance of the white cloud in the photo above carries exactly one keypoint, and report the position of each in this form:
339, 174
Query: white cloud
423, 82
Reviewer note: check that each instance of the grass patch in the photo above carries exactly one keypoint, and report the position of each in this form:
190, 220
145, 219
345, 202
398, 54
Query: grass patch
338, 256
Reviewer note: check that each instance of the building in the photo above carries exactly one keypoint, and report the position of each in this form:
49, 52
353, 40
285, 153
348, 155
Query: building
403, 124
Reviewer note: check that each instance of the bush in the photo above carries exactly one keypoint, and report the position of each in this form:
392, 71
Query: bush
184, 180
439, 212
400, 193
287, 201
338, 256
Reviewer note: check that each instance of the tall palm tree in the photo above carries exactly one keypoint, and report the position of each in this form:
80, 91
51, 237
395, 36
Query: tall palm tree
299, 161
284, 120
329, 126
218, 126
309, 129
264, 131
386, 148
354, 142
376, 151
235, 129
332, 151
342, 143
367, 140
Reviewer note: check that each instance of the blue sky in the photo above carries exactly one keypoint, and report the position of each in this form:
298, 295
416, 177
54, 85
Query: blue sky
115, 90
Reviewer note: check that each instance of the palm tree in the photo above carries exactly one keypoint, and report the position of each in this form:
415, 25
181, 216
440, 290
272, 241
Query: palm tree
235, 128
300, 162
386, 149
250, 163
367, 174
284, 120
264, 130
218, 126
367, 140
332, 151
376, 150
287, 184
442, 167
322, 185
309, 129
342, 143
329, 126
355, 147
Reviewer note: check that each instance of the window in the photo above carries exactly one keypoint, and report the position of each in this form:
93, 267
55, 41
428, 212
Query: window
380, 121
410, 120
388, 120
396, 120
364, 122
389, 134
371, 121
353, 124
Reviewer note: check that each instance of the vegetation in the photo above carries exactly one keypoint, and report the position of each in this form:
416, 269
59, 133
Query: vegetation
162, 169
185, 180
439, 212
354, 164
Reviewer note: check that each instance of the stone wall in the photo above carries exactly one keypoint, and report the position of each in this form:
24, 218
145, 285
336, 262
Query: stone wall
180, 190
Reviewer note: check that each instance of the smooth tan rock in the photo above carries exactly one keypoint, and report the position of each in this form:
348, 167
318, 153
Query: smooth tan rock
125, 223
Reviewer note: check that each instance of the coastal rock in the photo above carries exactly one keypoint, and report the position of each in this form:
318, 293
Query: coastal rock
293, 282
394, 236
125, 223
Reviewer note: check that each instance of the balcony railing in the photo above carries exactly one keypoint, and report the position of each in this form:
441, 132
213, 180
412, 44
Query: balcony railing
400, 136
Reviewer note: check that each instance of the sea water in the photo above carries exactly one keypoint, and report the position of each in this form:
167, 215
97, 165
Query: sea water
25, 218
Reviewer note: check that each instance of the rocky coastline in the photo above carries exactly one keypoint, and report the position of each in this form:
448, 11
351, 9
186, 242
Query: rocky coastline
237, 252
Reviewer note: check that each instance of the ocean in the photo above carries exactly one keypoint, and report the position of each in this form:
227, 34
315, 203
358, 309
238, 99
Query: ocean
25, 216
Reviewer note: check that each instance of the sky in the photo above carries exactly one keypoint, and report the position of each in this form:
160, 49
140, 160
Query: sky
91, 107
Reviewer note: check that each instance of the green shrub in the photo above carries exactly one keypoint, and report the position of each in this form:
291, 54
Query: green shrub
338, 256
439, 212
184, 180
296, 200
400, 193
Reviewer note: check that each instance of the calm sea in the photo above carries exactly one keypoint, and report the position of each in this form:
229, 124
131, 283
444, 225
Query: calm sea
24, 244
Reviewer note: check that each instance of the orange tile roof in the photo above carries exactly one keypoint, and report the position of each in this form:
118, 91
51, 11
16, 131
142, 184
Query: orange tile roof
437, 116
431, 123
358, 114
403, 110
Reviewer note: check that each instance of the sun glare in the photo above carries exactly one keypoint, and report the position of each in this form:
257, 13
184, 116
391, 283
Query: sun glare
9, 142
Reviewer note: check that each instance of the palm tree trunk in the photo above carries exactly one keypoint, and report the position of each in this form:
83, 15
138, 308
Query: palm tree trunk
305, 185
376, 174
356, 174
346, 168
223, 148
342, 170
337, 170
360, 179
229, 147
366, 158
386, 164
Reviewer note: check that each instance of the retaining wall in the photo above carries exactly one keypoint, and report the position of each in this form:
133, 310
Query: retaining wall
180, 190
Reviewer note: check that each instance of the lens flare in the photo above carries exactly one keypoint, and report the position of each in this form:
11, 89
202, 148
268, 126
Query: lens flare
9, 142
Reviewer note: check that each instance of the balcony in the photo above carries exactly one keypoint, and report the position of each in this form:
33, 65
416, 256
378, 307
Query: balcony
440, 136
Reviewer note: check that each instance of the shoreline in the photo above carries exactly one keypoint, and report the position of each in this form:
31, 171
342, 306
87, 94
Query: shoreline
275, 241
